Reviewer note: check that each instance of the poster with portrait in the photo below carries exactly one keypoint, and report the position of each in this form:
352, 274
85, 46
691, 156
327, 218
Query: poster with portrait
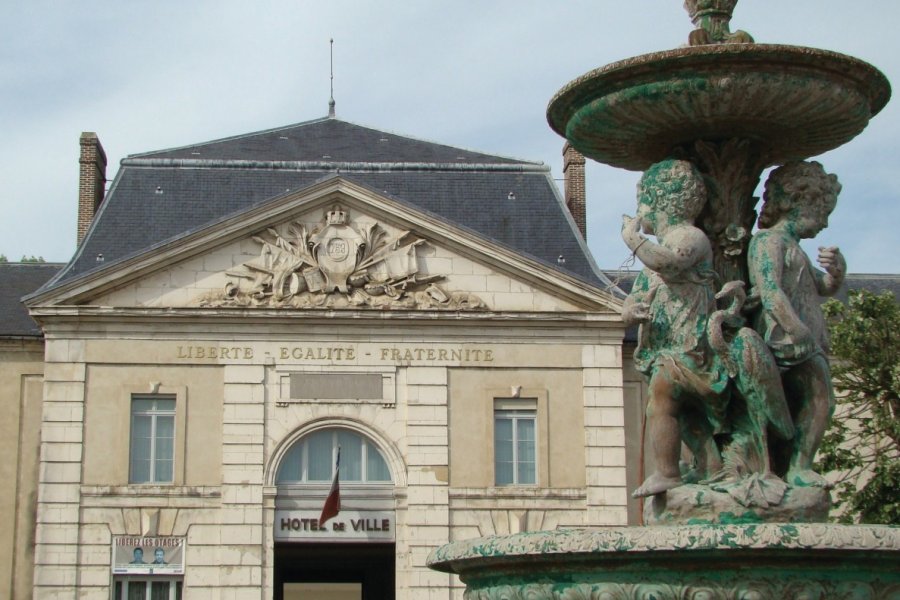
141, 555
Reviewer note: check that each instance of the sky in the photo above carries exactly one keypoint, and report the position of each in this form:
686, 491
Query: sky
154, 74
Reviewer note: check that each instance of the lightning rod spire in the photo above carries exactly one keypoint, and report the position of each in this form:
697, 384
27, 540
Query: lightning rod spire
331, 99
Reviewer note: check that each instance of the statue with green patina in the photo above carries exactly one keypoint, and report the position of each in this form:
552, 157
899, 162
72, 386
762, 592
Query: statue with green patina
672, 300
713, 384
799, 196
731, 338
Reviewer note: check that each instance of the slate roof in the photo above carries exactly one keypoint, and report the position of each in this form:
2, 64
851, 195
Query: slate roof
159, 197
17, 280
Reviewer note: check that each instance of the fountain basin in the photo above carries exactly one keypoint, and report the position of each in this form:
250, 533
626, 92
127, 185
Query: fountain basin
790, 102
694, 562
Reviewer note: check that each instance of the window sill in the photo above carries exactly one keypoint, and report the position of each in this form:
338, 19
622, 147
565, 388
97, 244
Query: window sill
151, 495
519, 491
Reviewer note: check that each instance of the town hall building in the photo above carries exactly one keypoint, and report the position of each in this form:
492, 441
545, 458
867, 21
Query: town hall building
242, 312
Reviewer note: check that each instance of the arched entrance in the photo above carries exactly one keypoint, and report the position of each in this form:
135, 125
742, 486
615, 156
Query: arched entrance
351, 556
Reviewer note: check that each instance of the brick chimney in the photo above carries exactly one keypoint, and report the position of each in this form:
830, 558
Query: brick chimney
91, 181
573, 172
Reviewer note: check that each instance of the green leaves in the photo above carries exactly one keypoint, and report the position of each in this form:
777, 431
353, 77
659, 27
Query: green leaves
863, 444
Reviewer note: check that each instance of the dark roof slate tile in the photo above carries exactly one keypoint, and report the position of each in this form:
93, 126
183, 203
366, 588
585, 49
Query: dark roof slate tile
17, 280
330, 140
159, 197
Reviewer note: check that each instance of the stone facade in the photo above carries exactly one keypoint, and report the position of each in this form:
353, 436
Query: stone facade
167, 324
21, 371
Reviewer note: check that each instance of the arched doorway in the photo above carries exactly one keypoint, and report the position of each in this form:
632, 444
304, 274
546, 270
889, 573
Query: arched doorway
350, 556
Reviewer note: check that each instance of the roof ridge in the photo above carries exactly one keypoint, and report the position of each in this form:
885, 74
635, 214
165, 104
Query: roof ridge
436, 143
325, 120
229, 138
305, 165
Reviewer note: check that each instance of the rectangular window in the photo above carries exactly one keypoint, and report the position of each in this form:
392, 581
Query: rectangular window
133, 588
152, 439
515, 443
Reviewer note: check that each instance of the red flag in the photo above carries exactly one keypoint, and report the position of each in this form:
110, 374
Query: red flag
332, 504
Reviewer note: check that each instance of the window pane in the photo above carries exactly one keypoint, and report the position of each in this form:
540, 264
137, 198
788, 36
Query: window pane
320, 465
525, 440
141, 427
165, 434
137, 590
351, 456
165, 404
525, 471
159, 590
165, 448
289, 470
142, 405
503, 451
140, 449
376, 467
503, 429
503, 473
164, 471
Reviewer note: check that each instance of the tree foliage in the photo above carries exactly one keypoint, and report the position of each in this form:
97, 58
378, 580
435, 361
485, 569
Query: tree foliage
32, 259
863, 443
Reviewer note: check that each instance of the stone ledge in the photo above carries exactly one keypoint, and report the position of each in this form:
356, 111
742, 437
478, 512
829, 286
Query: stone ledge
634, 540
515, 492
112, 496
694, 562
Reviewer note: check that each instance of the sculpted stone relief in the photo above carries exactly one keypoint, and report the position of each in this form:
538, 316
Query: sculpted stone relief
742, 379
334, 265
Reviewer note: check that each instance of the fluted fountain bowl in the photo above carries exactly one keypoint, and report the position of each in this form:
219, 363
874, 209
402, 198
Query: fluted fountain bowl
701, 562
791, 102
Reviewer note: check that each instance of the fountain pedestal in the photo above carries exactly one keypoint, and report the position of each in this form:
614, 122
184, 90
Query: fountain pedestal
700, 562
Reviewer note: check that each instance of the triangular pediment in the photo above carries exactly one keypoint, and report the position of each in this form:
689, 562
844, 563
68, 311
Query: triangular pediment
334, 245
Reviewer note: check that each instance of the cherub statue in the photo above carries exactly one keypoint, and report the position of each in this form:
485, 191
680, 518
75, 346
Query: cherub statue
693, 365
672, 299
799, 196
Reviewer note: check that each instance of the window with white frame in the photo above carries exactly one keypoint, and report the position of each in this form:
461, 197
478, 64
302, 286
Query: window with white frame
152, 458
311, 459
515, 442
147, 588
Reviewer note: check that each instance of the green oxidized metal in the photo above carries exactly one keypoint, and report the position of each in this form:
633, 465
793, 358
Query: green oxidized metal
790, 102
734, 562
731, 108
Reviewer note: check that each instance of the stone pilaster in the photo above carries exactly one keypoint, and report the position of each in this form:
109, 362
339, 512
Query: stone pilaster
233, 558
604, 424
56, 574
427, 517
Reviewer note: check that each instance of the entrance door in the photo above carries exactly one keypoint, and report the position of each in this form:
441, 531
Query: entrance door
344, 571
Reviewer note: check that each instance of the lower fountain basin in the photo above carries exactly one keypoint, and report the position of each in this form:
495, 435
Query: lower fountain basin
694, 562
791, 102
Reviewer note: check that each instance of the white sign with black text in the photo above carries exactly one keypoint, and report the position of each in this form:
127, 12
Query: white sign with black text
348, 525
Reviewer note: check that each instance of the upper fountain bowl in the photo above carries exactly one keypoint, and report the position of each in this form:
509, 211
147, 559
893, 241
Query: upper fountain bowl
790, 102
